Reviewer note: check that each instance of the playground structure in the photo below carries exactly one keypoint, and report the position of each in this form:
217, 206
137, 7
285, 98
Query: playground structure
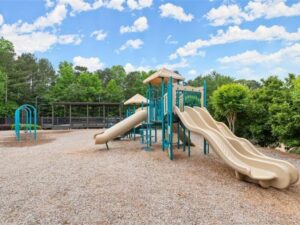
132, 105
30, 116
174, 106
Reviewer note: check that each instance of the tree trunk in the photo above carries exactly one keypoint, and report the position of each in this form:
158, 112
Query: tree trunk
231, 118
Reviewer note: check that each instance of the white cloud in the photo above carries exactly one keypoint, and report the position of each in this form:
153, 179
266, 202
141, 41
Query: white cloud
170, 40
135, 44
69, 39
130, 68
176, 12
279, 71
55, 17
139, 4
208, 71
32, 37
49, 3
92, 63
99, 35
234, 34
139, 25
38, 41
181, 64
80, 5
254, 57
255, 9
192, 72
247, 73
1, 20
115, 4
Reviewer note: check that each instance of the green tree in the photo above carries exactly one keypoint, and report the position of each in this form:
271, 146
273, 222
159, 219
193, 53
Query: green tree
89, 87
251, 84
43, 78
113, 92
213, 80
285, 114
2, 86
134, 84
118, 74
7, 54
105, 75
229, 100
65, 84
271, 93
22, 79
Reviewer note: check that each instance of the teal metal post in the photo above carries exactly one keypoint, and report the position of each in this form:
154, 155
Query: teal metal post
150, 114
155, 130
134, 126
178, 126
170, 116
162, 112
29, 120
205, 147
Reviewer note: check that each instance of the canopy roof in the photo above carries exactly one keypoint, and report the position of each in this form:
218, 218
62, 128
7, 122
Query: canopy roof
136, 100
162, 73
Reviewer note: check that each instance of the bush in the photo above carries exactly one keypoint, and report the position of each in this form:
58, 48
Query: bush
296, 150
23, 127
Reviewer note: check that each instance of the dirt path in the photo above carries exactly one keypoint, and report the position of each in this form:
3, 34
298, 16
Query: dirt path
66, 179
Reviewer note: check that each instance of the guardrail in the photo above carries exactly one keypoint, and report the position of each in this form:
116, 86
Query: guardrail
65, 123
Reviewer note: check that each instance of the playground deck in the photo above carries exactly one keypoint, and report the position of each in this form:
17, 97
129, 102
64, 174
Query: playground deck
66, 179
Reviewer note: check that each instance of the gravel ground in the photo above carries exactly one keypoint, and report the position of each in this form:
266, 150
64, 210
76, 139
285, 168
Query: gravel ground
66, 179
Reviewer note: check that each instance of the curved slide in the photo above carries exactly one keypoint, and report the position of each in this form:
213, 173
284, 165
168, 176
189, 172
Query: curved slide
255, 169
243, 145
121, 127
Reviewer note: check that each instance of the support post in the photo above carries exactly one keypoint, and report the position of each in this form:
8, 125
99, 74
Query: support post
206, 147
87, 116
134, 126
162, 112
150, 115
170, 116
52, 114
70, 115
155, 130
104, 120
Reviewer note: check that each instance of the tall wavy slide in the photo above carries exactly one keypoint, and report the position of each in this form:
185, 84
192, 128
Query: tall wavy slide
249, 164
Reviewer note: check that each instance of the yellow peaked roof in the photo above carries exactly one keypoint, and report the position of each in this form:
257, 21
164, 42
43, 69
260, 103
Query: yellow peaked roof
136, 100
165, 73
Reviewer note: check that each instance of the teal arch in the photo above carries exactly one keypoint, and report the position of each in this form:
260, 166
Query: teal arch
31, 113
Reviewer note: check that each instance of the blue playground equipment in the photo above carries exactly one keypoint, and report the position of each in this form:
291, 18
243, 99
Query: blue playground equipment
31, 115
163, 93
132, 105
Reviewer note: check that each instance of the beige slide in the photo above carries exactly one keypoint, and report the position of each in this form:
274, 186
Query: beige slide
122, 127
247, 166
243, 145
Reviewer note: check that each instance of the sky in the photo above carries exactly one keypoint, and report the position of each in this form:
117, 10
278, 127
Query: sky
244, 39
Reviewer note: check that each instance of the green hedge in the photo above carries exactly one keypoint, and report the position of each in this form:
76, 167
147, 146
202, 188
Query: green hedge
23, 127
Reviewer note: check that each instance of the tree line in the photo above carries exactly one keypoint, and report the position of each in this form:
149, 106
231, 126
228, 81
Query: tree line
266, 112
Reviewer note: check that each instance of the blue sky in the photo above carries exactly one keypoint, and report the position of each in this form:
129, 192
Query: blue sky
245, 39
